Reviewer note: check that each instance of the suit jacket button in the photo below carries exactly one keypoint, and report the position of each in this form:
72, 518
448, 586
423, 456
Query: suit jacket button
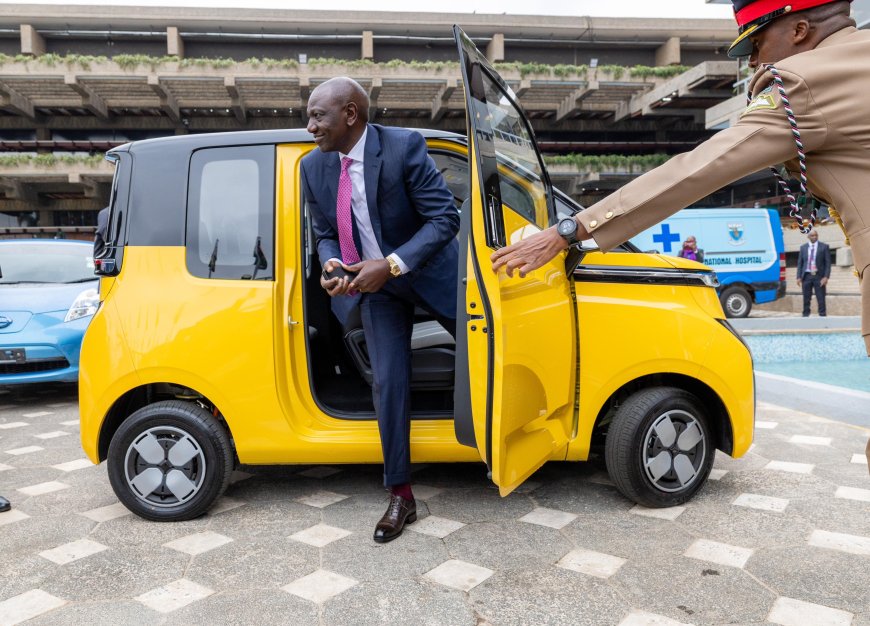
593, 223
608, 215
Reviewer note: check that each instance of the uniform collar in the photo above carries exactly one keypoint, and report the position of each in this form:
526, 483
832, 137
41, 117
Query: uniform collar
835, 37
830, 40
357, 153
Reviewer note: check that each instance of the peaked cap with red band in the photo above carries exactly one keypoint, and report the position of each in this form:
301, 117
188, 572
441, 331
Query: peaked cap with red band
753, 15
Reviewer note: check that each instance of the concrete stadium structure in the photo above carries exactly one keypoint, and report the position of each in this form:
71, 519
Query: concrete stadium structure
77, 80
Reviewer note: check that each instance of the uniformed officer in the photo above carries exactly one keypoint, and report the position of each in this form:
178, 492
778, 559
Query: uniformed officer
824, 65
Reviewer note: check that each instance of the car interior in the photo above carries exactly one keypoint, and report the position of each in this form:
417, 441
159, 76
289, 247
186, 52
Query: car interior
341, 374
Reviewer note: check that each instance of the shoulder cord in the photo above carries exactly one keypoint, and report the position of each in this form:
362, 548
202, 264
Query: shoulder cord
803, 225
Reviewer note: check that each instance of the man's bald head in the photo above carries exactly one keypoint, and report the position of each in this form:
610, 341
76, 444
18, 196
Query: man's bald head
338, 111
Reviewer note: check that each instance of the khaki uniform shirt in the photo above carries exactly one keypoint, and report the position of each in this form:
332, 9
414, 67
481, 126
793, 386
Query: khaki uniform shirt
828, 90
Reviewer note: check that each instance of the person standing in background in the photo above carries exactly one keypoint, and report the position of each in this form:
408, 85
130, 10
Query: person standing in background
691, 251
813, 272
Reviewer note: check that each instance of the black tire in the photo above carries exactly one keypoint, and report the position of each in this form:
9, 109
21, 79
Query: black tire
186, 485
647, 460
736, 302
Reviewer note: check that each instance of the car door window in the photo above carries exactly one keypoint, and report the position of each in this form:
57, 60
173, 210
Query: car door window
230, 217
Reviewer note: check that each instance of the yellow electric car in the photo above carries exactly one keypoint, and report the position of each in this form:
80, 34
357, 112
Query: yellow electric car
214, 344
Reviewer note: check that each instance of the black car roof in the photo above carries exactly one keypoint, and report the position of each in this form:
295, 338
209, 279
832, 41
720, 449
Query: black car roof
188, 143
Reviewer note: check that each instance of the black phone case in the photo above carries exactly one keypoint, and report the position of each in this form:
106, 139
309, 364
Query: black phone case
339, 272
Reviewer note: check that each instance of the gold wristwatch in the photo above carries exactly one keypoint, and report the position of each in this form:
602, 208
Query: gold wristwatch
395, 270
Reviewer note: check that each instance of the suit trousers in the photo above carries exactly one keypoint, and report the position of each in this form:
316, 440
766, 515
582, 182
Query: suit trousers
388, 321
813, 283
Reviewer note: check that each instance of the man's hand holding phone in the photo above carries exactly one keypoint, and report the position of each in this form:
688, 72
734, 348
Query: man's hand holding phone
336, 278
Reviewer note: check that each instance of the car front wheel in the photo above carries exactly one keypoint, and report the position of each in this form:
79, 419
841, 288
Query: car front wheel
169, 461
659, 450
736, 302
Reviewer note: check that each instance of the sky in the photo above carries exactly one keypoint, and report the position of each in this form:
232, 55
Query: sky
598, 8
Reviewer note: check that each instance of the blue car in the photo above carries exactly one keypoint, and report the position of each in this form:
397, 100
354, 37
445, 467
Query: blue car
48, 295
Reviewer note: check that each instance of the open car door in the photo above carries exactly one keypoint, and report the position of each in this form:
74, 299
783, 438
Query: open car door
516, 343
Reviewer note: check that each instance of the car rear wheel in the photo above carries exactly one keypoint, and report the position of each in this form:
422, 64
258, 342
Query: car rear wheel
169, 461
736, 302
659, 450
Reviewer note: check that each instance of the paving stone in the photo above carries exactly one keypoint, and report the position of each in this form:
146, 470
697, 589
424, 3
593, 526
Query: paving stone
852, 493
853, 544
52, 435
409, 556
10, 425
592, 563
321, 499
791, 612
508, 545
424, 492
320, 535
509, 598
642, 618
415, 601
859, 459
670, 513
4, 467
459, 575
435, 526
198, 543
43, 488
10, 517
245, 606
764, 503
225, 504
108, 613
27, 606
718, 552
321, 471
809, 440
268, 520
696, 591
477, 505
582, 498
37, 414
106, 513
717, 474
320, 586
628, 534
254, 563
24, 450
71, 423
550, 518
173, 596
760, 424
788, 466
73, 551
821, 576
71, 466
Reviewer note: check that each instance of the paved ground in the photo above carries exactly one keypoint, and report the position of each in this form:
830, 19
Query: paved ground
781, 536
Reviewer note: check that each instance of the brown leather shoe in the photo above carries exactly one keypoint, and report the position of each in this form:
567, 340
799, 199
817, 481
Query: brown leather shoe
399, 513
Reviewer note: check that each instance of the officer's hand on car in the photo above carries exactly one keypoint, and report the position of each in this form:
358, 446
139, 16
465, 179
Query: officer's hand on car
532, 252
337, 285
370, 275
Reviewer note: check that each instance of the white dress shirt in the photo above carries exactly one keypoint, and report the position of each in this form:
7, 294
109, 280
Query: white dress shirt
360, 206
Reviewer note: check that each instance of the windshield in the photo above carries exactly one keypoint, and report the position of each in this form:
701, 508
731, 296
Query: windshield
45, 263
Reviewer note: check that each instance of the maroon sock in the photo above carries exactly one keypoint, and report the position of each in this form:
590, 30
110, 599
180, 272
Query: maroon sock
403, 490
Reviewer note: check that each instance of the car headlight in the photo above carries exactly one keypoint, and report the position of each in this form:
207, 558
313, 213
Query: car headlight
710, 279
86, 303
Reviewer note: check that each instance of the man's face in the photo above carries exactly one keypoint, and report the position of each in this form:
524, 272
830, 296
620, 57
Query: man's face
773, 43
328, 122
813, 236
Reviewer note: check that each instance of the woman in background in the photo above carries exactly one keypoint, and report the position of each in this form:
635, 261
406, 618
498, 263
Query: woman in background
691, 251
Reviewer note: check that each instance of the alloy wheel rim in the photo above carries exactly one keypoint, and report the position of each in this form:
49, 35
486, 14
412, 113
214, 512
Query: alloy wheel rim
674, 451
164, 467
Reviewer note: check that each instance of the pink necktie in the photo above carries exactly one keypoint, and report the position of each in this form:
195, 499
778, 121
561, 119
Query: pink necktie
813, 258
344, 216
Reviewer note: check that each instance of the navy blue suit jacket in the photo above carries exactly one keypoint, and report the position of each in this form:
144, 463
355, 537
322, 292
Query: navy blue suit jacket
823, 260
411, 209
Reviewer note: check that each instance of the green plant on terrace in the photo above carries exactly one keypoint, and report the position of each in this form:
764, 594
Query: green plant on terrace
50, 160
608, 162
